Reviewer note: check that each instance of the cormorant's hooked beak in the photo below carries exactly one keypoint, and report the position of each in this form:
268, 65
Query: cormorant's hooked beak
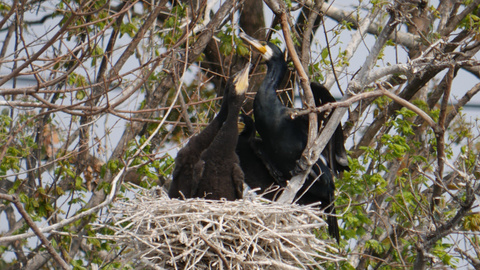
241, 80
265, 50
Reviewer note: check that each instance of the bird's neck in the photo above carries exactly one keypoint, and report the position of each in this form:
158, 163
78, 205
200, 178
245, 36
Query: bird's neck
228, 134
267, 106
204, 138
231, 123
222, 114
267, 95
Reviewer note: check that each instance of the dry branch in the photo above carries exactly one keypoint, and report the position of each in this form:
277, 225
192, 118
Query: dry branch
48, 245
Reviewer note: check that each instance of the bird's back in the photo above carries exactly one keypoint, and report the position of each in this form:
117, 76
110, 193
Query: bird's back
248, 149
189, 155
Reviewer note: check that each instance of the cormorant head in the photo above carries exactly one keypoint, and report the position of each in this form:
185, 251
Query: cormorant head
246, 126
269, 50
240, 81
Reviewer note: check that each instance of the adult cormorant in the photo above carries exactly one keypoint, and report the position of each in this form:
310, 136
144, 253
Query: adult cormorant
249, 151
189, 155
217, 174
334, 152
284, 138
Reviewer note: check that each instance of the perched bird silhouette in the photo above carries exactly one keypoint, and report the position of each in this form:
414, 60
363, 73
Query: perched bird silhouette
189, 155
248, 149
284, 138
218, 174
335, 151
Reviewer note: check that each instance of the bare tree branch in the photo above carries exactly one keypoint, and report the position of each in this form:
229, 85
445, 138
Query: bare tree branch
48, 245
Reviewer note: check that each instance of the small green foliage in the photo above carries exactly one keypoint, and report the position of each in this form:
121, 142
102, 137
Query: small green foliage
367, 182
375, 246
472, 223
78, 265
77, 80
390, 43
172, 25
276, 41
471, 22
397, 146
382, 102
59, 190
242, 50
80, 95
94, 241
315, 72
4, 7
295, 40
79, 184
97, 54
128, 28
377, 181
106, 187
114, 166
324, 54
353, 184
440, 250
227, 47
21, 147
342, 58
347, 25
230, 43
11, 161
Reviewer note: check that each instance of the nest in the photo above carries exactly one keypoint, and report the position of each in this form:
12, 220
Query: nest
253, 233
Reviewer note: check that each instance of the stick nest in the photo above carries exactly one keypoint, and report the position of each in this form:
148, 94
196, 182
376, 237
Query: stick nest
252, 233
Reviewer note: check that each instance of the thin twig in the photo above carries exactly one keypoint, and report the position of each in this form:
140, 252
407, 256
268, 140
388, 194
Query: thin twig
440, 136
48, 245
216, 250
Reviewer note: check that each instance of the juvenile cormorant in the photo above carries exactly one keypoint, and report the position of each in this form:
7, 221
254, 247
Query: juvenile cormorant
189, 155
249, 151
284, 138
217, 174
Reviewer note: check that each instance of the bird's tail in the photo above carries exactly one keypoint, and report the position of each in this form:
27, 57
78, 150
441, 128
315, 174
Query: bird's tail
333, 229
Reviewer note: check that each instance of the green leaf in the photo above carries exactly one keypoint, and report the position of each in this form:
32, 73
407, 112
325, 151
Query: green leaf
324, 53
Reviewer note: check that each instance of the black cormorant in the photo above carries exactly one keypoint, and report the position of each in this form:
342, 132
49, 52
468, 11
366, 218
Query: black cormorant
189, 155
272, 118
284, 138
334, 152
218, 174
249, 151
